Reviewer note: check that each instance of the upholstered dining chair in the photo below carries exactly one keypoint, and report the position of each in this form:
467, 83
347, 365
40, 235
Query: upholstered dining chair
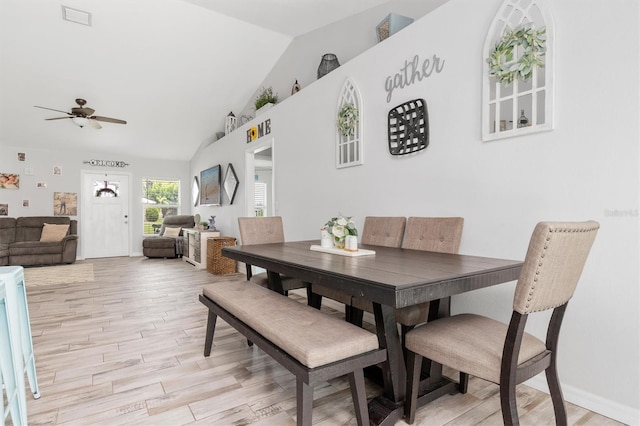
506, 354
377, 231
438, 234
264, 230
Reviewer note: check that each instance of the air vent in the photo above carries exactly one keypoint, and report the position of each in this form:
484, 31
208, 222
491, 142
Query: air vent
77, 16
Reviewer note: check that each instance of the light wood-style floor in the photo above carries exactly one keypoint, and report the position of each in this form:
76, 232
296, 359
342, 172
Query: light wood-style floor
127, 348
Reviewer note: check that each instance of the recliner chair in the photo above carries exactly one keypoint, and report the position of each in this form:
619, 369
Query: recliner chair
167, 246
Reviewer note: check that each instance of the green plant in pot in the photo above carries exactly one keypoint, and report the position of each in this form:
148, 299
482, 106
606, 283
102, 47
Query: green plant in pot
266, 96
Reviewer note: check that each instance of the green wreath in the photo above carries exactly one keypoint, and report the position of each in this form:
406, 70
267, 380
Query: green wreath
502, 64
347, 119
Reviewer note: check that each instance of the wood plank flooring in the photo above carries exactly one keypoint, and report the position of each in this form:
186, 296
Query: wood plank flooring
126, 349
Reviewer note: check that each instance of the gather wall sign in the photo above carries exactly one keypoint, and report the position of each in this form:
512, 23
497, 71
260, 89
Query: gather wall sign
411, 72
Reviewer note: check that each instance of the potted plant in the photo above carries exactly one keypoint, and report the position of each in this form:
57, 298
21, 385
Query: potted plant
339, 228
266, 99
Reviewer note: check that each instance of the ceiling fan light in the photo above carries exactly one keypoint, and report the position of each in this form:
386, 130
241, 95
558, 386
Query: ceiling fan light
80, 121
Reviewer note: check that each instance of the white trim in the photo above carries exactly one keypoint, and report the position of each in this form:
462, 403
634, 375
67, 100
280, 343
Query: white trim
606, 407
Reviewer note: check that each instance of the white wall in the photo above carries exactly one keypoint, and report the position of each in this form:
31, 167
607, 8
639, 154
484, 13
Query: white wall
41, 200
587, 168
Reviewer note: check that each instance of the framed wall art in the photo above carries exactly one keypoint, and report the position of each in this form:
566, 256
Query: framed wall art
210, 186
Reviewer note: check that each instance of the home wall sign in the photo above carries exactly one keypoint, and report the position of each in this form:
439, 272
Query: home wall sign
408, 127
106, 163
411, 71
259, 130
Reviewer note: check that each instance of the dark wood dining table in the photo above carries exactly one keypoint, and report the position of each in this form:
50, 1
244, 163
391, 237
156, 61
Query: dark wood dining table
391, 278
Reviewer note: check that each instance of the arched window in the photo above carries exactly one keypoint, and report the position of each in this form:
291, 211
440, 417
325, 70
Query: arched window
518, 71
349, 126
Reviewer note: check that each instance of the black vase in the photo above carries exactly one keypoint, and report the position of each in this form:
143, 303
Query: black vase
328, 63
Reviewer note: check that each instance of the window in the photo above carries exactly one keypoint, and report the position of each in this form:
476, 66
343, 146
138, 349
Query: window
160, 198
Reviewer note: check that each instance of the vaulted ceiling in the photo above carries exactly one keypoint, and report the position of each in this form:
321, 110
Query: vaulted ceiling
171, 68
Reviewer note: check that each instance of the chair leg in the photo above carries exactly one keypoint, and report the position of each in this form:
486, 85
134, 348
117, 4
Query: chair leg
464, 382
359, 396
508, 404
356, 316
304, 403
556, 394
414, 366
211, 326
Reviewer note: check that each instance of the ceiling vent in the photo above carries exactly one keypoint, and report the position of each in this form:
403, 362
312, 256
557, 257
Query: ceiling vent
77, 16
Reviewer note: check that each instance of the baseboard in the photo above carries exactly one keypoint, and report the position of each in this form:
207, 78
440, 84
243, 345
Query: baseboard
597, 404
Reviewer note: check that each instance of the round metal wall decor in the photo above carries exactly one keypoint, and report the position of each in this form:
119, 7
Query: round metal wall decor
408, 127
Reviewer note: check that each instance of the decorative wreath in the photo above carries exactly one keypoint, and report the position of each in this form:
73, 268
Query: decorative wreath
347, 119
501, 61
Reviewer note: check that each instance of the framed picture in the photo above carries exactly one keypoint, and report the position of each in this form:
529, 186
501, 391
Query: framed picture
230, 183
210, 186
65, 203
9, 181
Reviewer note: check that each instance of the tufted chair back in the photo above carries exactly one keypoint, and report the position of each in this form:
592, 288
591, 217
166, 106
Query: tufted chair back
439, 234
383, 231
555, 258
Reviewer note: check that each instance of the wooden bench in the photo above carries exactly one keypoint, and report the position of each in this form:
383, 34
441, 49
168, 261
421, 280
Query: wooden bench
315, 347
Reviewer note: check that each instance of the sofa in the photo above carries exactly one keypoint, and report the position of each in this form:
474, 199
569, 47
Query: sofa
163, 245
38, 240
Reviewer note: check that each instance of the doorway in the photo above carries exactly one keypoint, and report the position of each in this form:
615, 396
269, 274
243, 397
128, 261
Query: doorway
105, 215
260, 198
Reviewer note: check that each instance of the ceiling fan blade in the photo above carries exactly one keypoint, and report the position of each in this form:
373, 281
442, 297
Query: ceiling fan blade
94, 124
51, 109
108, 120
57, 118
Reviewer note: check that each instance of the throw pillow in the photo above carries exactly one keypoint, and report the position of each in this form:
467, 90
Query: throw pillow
172, 232
51, 232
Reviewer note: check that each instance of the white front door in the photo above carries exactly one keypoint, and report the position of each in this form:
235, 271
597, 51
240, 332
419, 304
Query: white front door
105, 215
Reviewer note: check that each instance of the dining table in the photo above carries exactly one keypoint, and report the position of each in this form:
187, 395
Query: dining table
391, 278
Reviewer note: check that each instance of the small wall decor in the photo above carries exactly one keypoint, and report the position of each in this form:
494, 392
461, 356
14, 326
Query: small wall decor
408, 127
229, 123
65, 203
9, 181
259, 130
41, 185
518, 85
328, 63
57, 170
4, 209
349, 144
195, 191
25, 203
22, 156
230, 183
413, 71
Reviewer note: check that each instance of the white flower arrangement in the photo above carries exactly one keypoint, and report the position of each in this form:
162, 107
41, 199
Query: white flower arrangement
347, 119
503, 64
339, 227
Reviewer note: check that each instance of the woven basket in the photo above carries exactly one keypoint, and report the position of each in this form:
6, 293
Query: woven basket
218, 264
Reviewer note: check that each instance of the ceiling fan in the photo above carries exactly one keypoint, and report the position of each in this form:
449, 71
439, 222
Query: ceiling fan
82, 115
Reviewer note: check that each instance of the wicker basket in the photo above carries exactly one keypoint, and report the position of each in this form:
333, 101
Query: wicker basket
218, 264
